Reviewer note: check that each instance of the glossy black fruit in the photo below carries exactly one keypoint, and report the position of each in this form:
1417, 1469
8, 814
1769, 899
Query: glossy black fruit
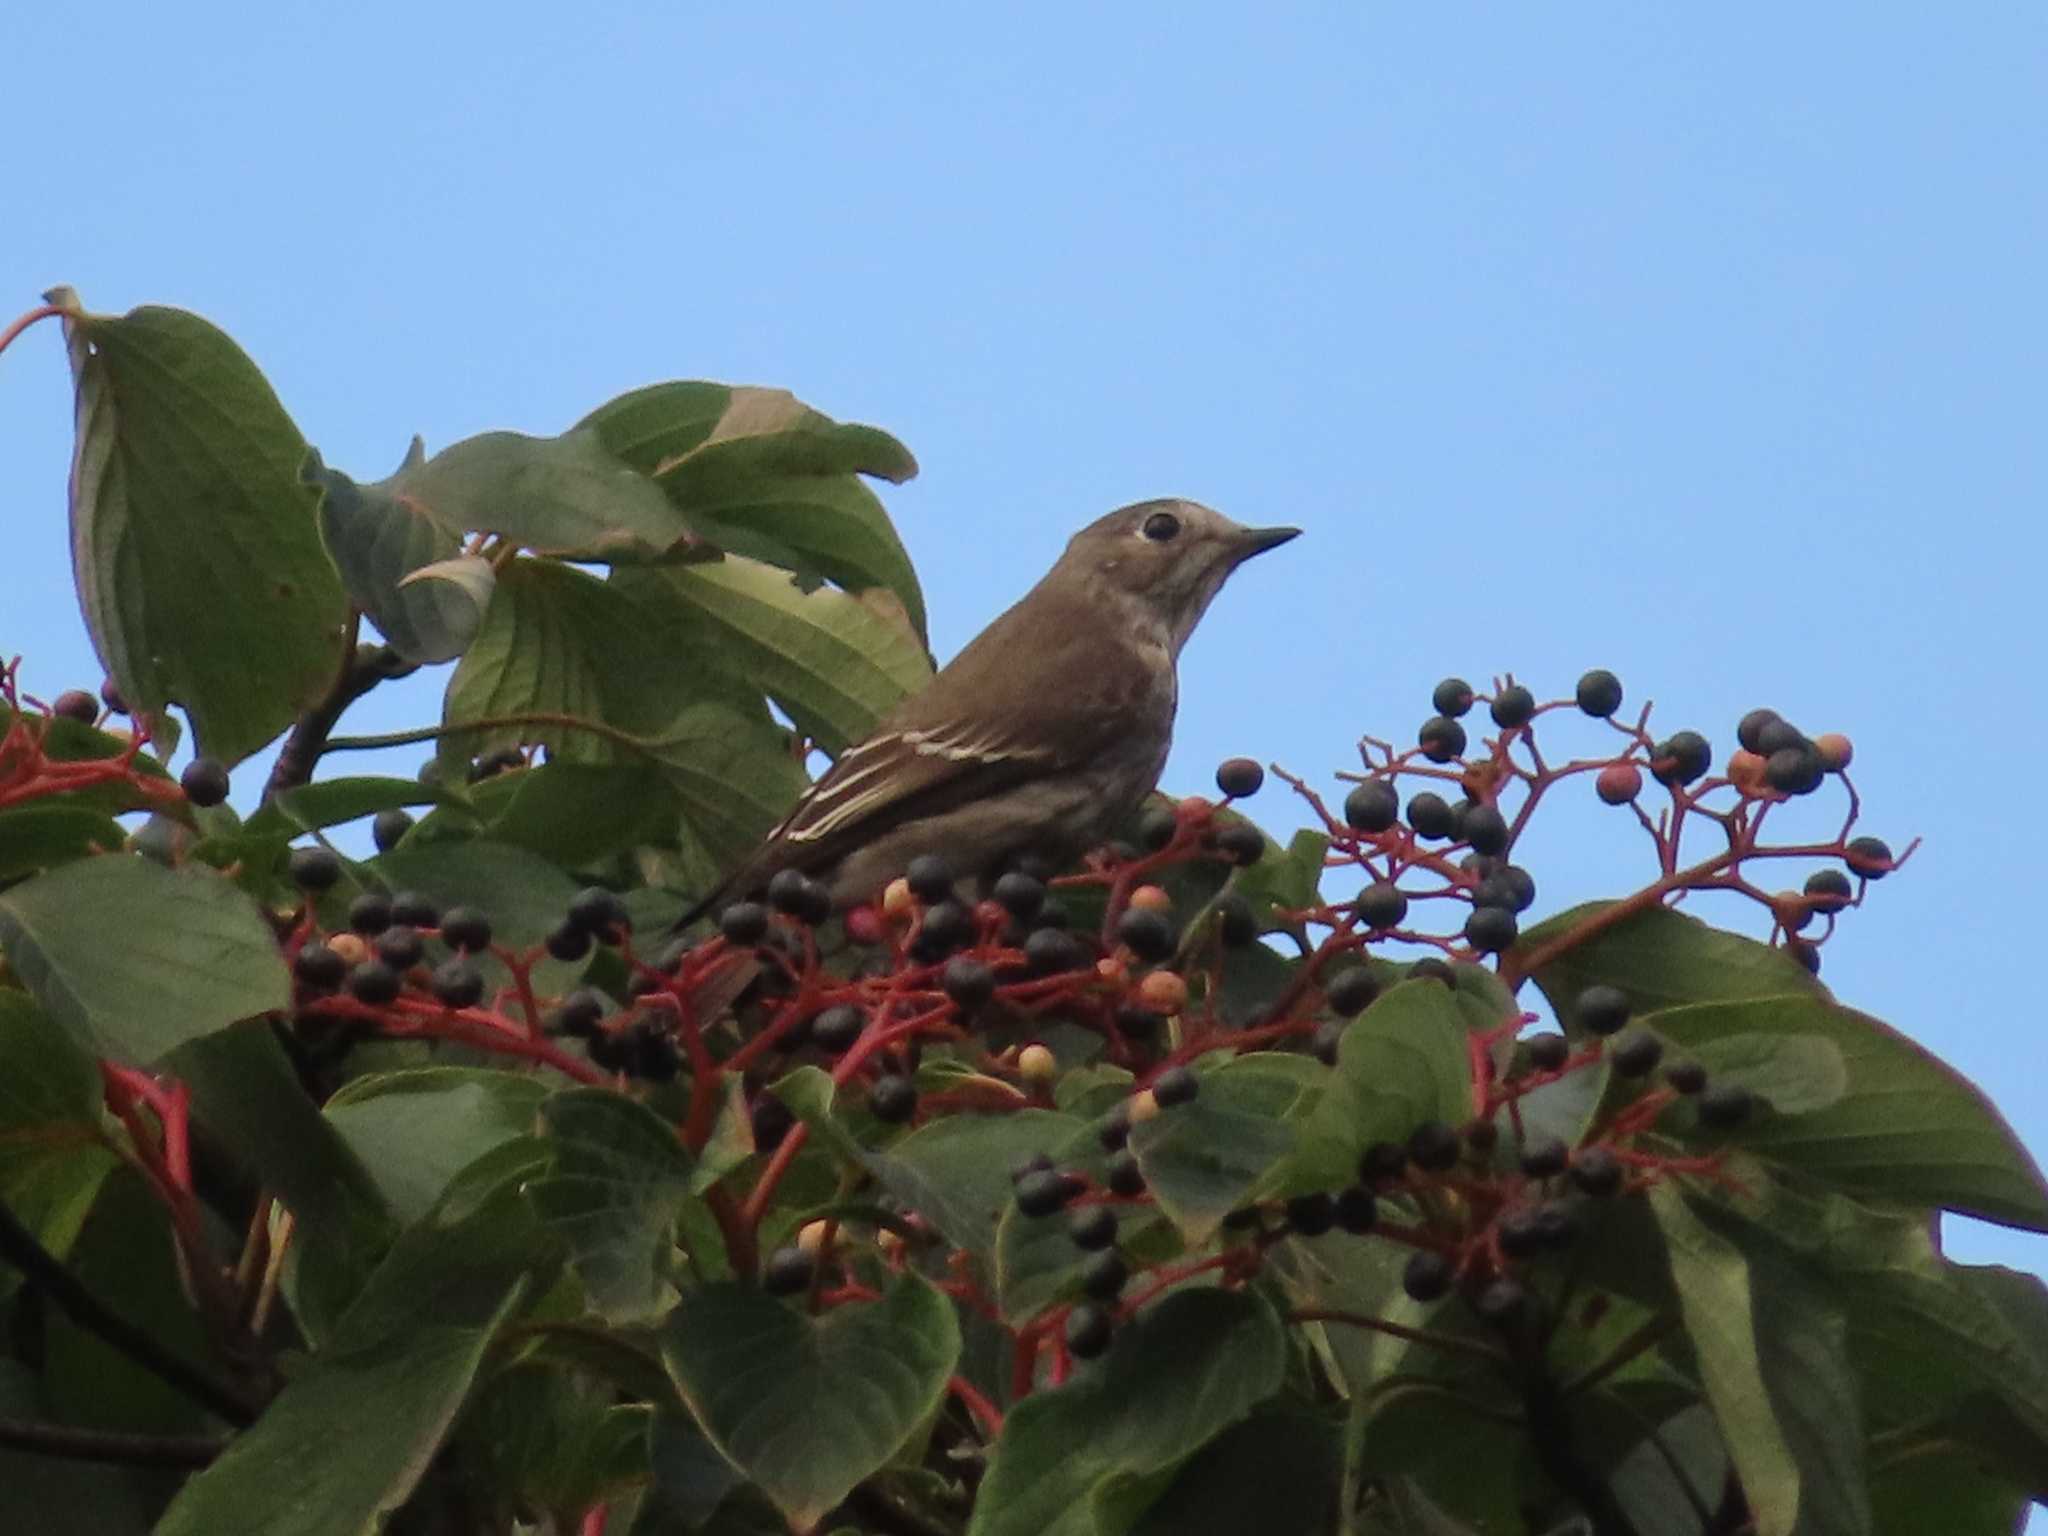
313, 869
1382, 1162
1381, 905
1372, 806
1441, 739
369, 914
373, 982
1596, 1171
1513, 706
1830, 889
1686, 1077
1176, 1085
1601, 1009
744, 922
795, 894
1049, 951
1043, 1191
1544, 1157
1105, 1275
318, 968
1452, 697
1489, 930
465, 928
1680, 758
400, 947
1124, 1176
1636, 1054
458, 984
1870, 857
1485, 829
1241, 843
1020, 895
1311, 1215
415, 910
893, 1099
1726, 1105
969, 983
1240, 776
1429, 813
1427, 1276
1434, 1147
1092, 1226
568, 941
389, 827
205, 781
1147, 934
1599, 693
1357, 1209
1351, 992
1749, 730
787, 1271
1235, 924
1088, 1330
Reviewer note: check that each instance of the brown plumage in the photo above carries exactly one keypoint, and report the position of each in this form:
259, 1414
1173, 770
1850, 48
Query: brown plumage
1042, 735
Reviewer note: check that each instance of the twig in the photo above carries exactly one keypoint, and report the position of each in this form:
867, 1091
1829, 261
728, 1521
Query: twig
75, 1444
19, 1247
362, 669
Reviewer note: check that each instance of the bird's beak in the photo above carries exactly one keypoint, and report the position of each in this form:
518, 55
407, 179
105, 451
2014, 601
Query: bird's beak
1256, 541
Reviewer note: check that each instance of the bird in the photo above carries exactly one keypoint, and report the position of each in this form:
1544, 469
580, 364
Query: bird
1040, 737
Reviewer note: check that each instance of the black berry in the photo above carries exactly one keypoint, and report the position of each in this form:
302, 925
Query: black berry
1093, 1226
1115, 1130
1027, 1163
465, 928
1432, 969
1794, 770
1725, 1105
1870, 857
204, 781
1241, 843
772, 1121
1830, 889
1636, 1054
1176, 1085
400, 947
1020, 895
1452, 697
1510, 887
795, 894
389, 827
1434, 1146
1088, 1330
946, 926
373, 982
969, 983
1520, 1234
1156, 828
1048, 951
1544, 1157
893, 1099
1372, 806
1601, 1009
1502, 1303
787, 1272
318, 968
1235, 924
599, 913
314, 869
1148, 934
1105, 1275
76, 704
1485, 829
930, 878
1806, 953
1513, 706
1311, 1215
1686, 1077
837, 1027
1778, 735
369, 914
1429, 813
1557, 1225
1547, 1052
1599, 693
1043, 1191
1124, 1176
1490, 930
1427, 1276
458, 984
111, 696
1357, 1209
1441, 739
1680, 758
1240, 776
568, 941
1596, 1171
580, 1011
1381, 905
744, 922
1351, 992
1749, 730
415, 910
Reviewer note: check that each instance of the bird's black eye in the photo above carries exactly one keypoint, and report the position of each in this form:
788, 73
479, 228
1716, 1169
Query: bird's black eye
1161, 526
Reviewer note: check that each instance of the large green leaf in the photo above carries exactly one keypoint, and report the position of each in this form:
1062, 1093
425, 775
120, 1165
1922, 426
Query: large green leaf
46, 833
564, 495
95, 939
415, 1130
378, 540
1176, 1376
732, 774
1772, 1354
53, 1157
1661, 959
859, 1380
762, 475
344, 1443
194, 545
1906, 1127
615, 1190
1275, 1473
832, 662
1401, 1062
1203, 1159
954, 1171
576, 814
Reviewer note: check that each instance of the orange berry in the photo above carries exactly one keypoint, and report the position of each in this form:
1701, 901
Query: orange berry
352, 947
1835, 749
1746, 773
1162, 992
1151, 898
896, 898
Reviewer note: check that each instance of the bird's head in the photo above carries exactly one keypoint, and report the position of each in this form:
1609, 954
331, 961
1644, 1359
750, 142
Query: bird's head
1170, 556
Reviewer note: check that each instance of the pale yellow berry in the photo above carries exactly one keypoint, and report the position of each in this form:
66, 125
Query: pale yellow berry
897, 900
352, 947
1037, 1065
1141, 1106
811, 1237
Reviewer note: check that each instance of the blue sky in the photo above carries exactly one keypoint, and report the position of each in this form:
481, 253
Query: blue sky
1701, 343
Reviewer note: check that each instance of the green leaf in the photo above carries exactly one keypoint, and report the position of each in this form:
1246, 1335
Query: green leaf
562, 495
53, 1157
198, 562
43, 834
345, 1443
1772, 1356
379, 540
832, 662
860, 1379
761, 475
1908, 1127
732, 774
1399, 1063
573, 814
1176, 1376
90, 939
1943, 1492
1275, 1473
691, 1478
415, 1130
1204, 1159
333, 803
1661, 959
618, 1183
955, 1171
1793, 1074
